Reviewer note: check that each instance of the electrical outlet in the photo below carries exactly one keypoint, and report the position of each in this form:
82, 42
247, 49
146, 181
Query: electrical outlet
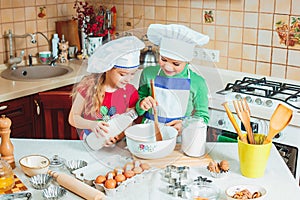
207, 54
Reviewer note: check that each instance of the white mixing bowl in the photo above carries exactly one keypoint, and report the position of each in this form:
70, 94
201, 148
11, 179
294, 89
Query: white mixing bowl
141, 141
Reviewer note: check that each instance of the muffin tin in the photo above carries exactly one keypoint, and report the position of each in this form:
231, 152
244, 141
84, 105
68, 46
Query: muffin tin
72, 165
40, 181
54, 192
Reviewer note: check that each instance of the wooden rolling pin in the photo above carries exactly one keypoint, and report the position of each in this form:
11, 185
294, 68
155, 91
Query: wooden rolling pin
74, 185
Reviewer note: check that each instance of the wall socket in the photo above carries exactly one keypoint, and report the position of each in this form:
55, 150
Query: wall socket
207, 54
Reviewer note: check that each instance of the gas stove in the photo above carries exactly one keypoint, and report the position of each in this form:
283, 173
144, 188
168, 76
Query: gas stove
263, 96
264, 92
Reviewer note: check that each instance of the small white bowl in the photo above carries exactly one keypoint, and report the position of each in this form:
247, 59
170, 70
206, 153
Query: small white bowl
251, 188
40, 181
141, 141
34, 164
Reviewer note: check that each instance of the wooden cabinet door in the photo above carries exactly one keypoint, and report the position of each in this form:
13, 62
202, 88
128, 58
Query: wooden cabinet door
20, 113
56, 106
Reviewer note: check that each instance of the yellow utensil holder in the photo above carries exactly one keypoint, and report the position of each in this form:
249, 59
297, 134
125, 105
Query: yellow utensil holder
254, 157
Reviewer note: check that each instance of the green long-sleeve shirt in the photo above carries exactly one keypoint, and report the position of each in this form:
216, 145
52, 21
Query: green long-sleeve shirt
198, 98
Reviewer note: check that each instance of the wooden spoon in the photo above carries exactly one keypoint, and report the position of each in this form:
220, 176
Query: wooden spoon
243, 112
234, 123
158, 134
279, 120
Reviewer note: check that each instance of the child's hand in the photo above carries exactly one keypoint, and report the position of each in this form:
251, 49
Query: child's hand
99, 128
177, 124
148, 103
113, 140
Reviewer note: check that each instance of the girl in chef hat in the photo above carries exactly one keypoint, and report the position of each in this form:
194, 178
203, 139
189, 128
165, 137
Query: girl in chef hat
106, 91
180, 92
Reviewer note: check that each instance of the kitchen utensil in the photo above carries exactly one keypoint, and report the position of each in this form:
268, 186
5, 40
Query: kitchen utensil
158, 134
75, 164
6, 146
253, 158
76, 186
243, 112
234, 123
279, 120
142, 143
40, 181
34, 164
19, 195
54, 192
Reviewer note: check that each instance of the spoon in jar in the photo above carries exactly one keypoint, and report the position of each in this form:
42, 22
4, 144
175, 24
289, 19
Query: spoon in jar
279, 120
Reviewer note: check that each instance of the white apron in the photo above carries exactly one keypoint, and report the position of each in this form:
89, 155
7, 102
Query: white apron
172, 95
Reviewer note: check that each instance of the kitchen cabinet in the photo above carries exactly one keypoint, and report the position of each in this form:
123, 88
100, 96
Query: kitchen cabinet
55, 106
20, 111
42, 115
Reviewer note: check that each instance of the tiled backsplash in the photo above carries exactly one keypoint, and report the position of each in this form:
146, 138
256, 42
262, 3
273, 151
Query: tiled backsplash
243, 30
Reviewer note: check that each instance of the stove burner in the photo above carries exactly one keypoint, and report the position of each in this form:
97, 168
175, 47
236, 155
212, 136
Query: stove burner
285, 92
293, 99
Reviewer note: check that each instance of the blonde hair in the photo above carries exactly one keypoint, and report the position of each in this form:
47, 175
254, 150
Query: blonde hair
95, 92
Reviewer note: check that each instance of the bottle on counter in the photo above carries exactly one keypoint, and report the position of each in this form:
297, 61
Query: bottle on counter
116, 126
55, 41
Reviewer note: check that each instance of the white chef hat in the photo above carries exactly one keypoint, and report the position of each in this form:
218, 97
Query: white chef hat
123, 53
176, 41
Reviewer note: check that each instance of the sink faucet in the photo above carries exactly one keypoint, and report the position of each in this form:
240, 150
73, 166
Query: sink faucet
13, 61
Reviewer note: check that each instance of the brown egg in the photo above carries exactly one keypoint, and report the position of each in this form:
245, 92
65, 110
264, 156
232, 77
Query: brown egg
111, 172
129, 173
100, 179
145, 166
120, 178
110, 183
224, 165
118, 169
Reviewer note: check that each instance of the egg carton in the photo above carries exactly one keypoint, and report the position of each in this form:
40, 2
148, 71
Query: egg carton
137, 182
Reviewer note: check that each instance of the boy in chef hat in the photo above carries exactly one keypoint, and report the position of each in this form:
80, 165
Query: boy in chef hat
179, 91
106, 91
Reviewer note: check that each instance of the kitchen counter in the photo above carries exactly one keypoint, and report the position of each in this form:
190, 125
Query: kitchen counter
278, 180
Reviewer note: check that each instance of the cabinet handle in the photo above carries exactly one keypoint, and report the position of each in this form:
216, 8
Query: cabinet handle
3, 107
38, 110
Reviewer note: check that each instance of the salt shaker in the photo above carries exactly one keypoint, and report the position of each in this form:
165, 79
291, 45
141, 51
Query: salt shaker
6, 147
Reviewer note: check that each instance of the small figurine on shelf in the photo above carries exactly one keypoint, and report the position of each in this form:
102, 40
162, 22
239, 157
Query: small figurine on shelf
63, 47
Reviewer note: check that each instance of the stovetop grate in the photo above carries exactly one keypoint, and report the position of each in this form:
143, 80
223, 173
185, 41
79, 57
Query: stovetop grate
262, 87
